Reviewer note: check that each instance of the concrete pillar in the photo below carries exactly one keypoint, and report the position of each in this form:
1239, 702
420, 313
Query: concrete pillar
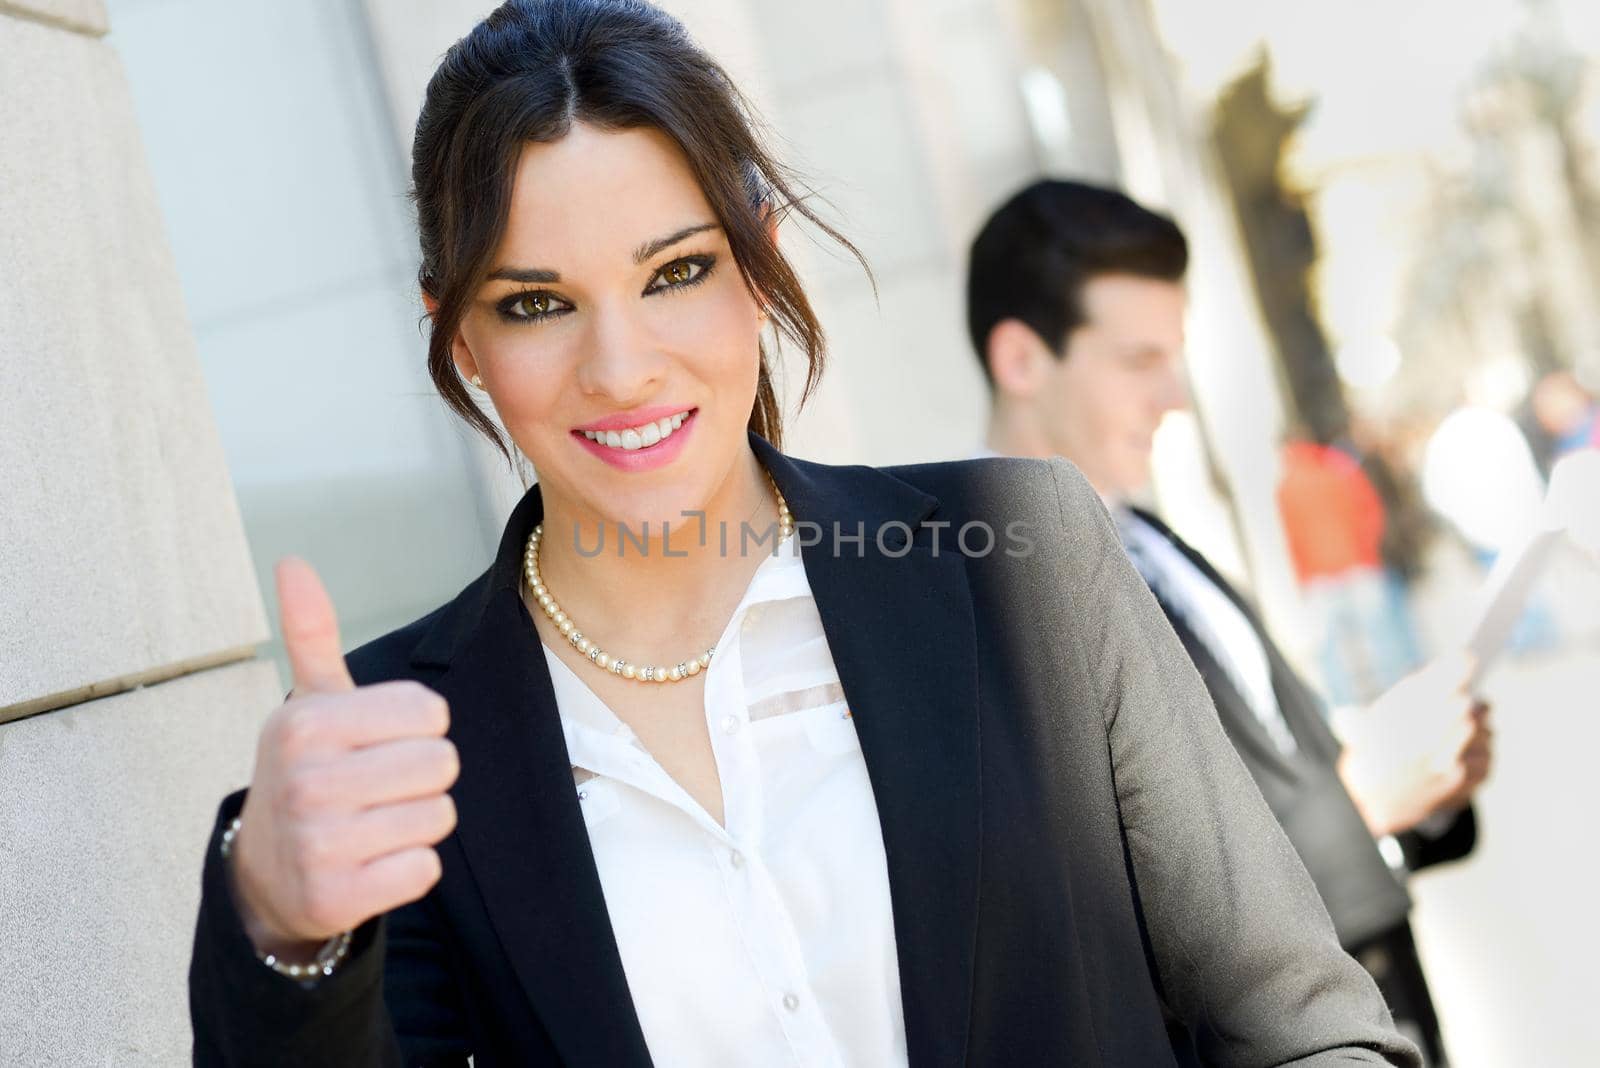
129, 690
1167, 163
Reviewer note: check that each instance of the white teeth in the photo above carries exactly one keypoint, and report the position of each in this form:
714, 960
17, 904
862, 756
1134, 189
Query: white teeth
638, 437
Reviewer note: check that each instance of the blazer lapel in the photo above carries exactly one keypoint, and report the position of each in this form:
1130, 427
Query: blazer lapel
1242, 724
901, 632
521, 828
902, 637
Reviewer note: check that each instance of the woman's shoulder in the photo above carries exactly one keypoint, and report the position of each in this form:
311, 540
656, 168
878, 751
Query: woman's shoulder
984, 487
1049, 496
413, 650
1045, 507
1050, 490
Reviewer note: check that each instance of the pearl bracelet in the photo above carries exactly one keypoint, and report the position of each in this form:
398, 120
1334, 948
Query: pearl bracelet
329, 957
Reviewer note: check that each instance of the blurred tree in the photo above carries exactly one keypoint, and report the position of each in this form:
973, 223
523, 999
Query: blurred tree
1508, 260
1556, 75
1252, 131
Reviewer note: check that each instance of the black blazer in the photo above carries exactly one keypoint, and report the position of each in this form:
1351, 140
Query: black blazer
1076, 857
1303, 788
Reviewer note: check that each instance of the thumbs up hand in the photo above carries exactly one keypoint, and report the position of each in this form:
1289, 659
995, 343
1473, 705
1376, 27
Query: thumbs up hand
349, 795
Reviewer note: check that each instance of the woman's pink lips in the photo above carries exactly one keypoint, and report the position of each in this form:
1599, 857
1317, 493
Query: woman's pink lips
646, 459
635, 417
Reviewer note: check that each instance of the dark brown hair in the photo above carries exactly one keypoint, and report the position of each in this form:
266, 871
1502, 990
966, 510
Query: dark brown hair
527, 73
1039, 249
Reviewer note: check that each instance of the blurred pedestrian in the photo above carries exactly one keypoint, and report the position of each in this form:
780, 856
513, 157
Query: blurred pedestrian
1075, 305
1566, 412
1334, 522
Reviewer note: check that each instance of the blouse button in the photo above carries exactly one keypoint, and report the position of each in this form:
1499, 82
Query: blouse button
736, 858
791, 1002
730, 724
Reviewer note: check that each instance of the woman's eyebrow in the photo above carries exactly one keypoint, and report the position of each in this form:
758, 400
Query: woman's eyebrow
524, 274
640, 254
650, 248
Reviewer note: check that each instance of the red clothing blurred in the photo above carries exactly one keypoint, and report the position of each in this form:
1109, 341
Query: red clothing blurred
1331, 514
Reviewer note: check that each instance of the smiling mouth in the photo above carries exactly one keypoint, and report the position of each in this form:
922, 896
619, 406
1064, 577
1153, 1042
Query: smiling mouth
643, 436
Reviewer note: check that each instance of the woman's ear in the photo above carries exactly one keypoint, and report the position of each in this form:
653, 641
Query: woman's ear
1017, 358
460, 354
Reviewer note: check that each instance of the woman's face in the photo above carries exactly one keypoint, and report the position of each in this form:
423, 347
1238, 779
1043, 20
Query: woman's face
615, 335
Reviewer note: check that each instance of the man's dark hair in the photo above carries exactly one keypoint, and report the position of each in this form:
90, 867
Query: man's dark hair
1033, 257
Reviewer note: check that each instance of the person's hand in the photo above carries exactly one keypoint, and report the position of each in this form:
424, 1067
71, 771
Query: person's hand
349, 792
1421, 749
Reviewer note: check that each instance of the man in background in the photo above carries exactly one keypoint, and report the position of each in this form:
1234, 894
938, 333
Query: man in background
1075, 304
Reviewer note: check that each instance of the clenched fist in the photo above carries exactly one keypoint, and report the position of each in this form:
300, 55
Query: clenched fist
349, 792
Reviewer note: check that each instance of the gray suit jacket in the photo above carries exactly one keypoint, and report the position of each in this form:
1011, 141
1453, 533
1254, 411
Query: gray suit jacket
1368, 903
1077, 858
1303, 789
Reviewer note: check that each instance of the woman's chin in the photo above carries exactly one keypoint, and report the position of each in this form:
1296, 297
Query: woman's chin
644, 513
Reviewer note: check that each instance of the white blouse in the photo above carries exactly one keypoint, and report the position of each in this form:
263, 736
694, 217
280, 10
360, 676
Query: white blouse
769, 941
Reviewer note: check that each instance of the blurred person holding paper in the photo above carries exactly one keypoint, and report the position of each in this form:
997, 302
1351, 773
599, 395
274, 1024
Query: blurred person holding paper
1075, 305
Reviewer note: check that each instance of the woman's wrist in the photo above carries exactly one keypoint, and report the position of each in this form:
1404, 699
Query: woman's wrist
288, 956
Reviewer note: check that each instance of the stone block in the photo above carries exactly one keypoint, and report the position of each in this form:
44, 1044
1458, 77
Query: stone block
120, 542
104, 812
78, 16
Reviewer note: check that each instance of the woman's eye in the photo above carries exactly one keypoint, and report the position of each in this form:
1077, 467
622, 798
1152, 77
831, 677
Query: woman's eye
531, 307
535, 304
680, 273
677, 273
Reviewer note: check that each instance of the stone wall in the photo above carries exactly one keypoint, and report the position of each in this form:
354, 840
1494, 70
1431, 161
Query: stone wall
129, 614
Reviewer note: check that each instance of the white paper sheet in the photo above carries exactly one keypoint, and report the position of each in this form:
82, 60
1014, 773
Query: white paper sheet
1505, 595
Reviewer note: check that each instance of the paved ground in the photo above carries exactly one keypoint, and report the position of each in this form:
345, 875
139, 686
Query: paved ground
1511, 937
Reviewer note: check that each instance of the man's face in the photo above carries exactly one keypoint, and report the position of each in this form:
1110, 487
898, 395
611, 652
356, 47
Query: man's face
1122, 372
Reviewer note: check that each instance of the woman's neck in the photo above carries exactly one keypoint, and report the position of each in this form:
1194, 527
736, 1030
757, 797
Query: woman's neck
653, 595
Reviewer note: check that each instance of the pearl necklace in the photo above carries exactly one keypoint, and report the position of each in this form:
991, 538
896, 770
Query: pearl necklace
598, 656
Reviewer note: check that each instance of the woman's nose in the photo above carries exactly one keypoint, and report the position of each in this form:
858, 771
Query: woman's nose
621, 360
